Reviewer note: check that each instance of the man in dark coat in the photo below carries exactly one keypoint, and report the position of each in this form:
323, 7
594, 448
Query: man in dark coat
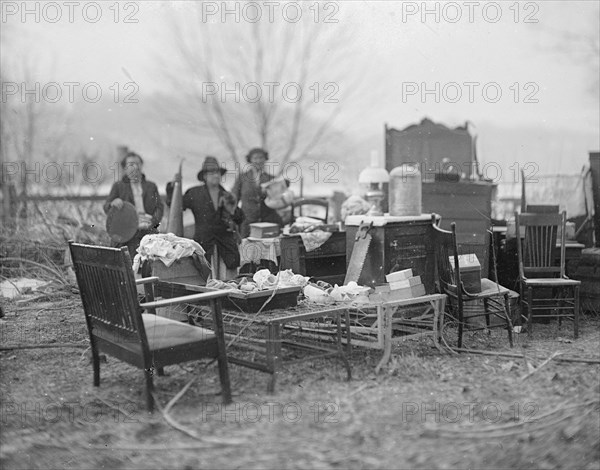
143, 194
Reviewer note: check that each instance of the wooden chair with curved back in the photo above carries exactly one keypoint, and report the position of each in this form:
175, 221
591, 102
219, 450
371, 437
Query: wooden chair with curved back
494, 297
314, 202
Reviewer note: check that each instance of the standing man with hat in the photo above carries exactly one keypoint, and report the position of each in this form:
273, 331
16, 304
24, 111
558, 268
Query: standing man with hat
249, 190
216, 218
135, 196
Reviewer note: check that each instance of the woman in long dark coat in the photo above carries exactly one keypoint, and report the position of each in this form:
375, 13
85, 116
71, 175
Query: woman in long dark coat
247, 189
216, 218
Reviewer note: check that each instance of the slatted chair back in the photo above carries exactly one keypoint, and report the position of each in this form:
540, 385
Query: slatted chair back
536, 249
109, 296
299, 203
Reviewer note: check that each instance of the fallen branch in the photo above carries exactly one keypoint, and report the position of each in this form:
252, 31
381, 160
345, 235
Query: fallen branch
43, 346
69, 304
35, 298
520, 356
189, 432
360, 389
529, 374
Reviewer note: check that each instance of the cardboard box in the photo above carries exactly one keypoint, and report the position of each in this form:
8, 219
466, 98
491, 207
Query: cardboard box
399, 275
470, 271
264, 230
382, 288
398, 294
411, 281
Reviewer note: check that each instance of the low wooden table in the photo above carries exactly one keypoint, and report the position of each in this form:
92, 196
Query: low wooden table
378, 334
273, 335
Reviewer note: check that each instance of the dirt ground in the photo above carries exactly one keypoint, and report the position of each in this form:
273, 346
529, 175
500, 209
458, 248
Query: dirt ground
427, 409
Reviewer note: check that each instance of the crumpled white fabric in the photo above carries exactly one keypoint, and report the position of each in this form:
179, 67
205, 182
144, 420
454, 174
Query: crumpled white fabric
264, 279
316, 295
287, 278
166, 247
349, 292
313, 240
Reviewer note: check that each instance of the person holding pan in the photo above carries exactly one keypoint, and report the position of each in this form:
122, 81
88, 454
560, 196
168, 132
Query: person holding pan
134, 195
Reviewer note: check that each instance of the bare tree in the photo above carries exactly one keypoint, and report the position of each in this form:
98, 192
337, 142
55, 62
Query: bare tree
275, 84
32, 129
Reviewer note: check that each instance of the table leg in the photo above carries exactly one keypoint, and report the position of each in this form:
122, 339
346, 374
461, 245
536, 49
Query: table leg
386, 325
340, 347
442, 306
435, 304
273, 351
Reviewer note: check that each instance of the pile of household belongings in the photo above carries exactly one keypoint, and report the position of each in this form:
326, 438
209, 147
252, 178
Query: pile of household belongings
323, 293
262, 280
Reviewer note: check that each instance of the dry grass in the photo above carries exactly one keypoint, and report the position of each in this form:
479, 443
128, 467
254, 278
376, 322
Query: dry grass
36, 247
405, 417
427, 409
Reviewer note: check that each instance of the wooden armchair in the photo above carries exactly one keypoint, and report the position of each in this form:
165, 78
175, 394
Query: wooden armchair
315, 202
493, 296
118, 327
537, 270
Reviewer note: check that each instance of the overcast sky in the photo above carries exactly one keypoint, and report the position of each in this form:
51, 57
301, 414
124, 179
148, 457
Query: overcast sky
537, 55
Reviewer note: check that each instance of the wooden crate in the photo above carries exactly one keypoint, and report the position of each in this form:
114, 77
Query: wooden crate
182, 270
326, 263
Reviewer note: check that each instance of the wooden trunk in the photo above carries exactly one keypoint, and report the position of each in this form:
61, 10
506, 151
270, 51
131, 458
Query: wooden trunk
398, 243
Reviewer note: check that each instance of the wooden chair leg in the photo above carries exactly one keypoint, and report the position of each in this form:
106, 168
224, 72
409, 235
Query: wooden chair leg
576, 311
149, 390
224, 377
509, 325
222, 351
460, 323
522, 303
486, 310
561, 304
529, 311
96, 366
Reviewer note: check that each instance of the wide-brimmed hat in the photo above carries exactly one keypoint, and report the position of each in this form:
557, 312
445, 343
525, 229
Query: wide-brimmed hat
210, 164
257, 150
279, 195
